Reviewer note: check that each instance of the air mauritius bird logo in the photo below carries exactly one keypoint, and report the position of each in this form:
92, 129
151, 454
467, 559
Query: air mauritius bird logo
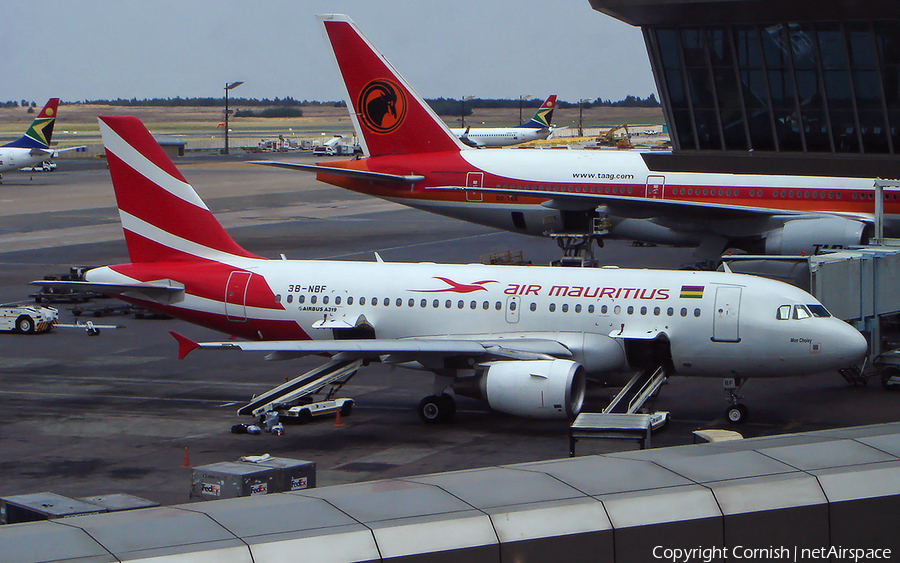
456, 287
382, 105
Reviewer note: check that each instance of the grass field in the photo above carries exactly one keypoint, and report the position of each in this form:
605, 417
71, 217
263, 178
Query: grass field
77, 123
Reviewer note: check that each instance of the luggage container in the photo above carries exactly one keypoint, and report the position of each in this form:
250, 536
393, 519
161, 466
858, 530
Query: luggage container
291, 474
119, 501
232, 479
42, 506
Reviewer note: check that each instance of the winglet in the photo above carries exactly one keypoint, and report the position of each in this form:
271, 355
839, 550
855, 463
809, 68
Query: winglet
185, 345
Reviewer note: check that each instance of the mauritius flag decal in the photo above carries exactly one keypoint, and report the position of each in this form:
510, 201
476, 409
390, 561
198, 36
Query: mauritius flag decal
692, 292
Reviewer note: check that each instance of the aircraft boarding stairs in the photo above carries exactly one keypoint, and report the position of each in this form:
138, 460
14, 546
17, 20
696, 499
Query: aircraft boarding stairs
639, 389
622, 418
335, 373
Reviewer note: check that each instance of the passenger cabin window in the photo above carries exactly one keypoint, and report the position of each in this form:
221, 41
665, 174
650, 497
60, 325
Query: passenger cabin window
300, 299
784, 313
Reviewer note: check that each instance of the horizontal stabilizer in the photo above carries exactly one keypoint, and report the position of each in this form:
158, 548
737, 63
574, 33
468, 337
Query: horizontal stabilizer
162, 292
361, 174
185, 344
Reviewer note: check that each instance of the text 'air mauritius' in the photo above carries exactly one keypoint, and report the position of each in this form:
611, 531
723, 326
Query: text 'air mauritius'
658, 293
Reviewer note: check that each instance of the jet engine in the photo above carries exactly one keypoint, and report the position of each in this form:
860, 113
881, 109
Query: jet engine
808, 236
528, 388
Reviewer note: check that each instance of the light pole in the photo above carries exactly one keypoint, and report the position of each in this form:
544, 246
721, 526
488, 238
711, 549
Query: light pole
522, 98
228, 87
462, 110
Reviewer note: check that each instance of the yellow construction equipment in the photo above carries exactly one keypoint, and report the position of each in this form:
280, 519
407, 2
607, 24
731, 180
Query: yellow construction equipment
609, 139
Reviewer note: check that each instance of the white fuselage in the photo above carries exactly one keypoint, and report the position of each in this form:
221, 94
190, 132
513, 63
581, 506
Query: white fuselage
717, 324
13, 158
501, 136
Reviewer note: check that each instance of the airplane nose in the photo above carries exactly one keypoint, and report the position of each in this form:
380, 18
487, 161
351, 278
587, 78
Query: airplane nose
852, 345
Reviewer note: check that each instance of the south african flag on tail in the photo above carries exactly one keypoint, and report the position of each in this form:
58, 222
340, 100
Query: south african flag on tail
41, 131
544, 115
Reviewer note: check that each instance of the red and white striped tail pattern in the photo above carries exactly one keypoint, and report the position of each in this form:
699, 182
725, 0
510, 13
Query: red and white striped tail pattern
163, 217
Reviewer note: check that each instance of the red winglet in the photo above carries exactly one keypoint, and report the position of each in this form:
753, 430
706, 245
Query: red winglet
185, 345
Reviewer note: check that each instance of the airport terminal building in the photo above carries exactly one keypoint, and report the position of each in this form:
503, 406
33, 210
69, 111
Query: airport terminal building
784, 86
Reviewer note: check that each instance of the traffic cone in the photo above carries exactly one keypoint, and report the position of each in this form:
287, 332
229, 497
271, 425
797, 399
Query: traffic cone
187, 461
337, 421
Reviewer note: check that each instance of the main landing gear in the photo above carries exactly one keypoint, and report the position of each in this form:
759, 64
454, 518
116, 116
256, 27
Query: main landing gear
436, 409
736, 413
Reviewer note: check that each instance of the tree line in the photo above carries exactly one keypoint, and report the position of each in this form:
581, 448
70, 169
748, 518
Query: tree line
289, 107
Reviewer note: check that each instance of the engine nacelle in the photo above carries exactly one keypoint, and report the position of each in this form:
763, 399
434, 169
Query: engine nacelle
532, 388
808, 236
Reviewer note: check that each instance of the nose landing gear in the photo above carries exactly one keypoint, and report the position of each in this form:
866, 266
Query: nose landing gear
736, 413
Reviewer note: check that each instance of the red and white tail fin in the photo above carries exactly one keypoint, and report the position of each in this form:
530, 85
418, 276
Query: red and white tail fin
389, 115
163, 217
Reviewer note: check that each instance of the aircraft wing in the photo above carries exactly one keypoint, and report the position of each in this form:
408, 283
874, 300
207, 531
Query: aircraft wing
637, 207
53, 152
402, 349
361, 174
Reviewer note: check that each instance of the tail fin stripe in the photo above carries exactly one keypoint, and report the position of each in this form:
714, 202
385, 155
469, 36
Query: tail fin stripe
175, 185
191, 249
167, 219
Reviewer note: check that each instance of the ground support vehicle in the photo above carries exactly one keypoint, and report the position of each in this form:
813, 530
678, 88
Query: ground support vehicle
28, 319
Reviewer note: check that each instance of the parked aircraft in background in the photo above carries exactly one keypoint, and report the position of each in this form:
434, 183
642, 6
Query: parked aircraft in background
413, 159
537, 128
522, 338
33, 147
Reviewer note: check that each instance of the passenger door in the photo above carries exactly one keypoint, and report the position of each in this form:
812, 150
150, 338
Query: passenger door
726, 315
512, 309
474, 180
656, 187
236, 296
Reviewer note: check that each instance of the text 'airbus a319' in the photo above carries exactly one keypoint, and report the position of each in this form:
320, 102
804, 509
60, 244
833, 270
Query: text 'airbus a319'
522, 338
412, 158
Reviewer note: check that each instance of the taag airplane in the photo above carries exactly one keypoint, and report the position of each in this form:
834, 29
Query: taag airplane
34, 146
522, 338
413, 159
537, 128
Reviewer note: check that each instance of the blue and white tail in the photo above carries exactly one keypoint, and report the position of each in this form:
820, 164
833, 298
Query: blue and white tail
40, 133
543, 117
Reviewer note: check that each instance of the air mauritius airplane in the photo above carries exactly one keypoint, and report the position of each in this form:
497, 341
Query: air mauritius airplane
522, 338
538, 127
34, 146
413, 159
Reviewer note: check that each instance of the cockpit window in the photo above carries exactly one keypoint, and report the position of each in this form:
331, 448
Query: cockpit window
818, 310
784, 313
801, 312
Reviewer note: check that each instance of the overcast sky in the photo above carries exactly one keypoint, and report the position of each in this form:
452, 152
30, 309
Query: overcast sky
106, 49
